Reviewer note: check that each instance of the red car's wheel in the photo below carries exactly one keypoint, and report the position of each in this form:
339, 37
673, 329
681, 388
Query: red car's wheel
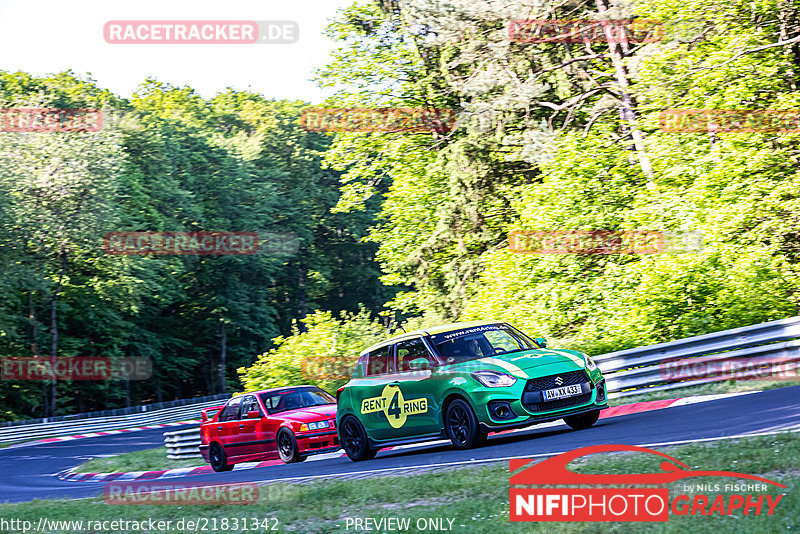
218, 458
287, 447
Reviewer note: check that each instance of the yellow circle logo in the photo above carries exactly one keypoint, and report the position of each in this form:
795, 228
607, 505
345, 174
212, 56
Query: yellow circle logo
394, 406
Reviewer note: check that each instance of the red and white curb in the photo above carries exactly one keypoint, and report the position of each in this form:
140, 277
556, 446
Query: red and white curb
615, 411
103, 433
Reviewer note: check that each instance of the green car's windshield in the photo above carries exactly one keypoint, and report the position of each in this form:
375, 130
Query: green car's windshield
292, 399
479, 342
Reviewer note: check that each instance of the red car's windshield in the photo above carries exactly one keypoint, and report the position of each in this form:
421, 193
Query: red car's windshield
292, 399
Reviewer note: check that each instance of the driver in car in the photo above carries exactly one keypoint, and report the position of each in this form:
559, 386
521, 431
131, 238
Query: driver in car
464, 349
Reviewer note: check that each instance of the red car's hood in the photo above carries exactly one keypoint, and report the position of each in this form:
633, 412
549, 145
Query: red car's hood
310, 414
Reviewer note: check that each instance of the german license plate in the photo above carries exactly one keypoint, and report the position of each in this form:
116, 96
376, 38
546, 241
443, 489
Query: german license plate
560, 393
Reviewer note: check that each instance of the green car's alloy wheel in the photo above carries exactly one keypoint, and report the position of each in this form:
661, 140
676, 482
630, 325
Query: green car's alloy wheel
354, 440
462, 425
582, 420
287, 447
218, 458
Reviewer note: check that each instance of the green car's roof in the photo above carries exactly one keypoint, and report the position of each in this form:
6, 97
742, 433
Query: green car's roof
429, 331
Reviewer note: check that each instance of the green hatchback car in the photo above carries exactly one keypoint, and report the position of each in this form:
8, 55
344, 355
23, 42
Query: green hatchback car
462, 381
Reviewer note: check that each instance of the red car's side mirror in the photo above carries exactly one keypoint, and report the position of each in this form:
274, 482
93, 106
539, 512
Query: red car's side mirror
254, 414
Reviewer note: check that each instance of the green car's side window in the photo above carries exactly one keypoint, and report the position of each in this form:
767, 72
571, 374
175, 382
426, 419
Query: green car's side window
380, 362
408, 351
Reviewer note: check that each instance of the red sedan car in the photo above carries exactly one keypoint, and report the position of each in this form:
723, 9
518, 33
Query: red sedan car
288, 423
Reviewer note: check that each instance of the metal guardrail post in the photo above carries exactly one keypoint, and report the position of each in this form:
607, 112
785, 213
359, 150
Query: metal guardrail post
183, 444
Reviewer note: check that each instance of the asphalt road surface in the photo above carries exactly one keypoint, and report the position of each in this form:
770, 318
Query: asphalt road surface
30, 472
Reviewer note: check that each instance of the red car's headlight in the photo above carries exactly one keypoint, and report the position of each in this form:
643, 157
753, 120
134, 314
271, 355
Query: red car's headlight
315, 426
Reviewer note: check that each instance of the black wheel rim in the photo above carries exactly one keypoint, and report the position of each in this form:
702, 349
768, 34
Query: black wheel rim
352, 437
285, 444
459, 423
216, 456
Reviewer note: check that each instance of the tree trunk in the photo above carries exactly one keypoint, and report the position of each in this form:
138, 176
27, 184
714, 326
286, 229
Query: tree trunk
51, 409
34, 326
618, 46
301, 293
223, 357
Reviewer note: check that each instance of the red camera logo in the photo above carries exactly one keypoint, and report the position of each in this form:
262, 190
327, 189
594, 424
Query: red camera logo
622, 504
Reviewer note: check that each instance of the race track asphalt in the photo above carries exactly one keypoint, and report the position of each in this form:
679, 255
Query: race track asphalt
30, 472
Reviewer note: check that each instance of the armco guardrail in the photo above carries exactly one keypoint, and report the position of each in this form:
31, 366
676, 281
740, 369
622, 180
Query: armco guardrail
183, 443
99, 424
658, 367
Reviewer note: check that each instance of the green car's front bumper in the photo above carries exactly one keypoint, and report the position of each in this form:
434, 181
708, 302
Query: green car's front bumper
522, 404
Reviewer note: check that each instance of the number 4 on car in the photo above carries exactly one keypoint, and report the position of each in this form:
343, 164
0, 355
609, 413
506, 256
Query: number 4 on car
461, 382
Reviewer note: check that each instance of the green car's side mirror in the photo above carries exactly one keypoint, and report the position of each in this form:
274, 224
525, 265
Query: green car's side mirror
542, 342
419, 364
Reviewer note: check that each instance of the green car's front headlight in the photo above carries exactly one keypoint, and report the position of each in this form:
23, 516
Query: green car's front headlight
493, 379
590, 364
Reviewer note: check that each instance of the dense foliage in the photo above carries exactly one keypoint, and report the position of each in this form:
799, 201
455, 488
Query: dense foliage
561, 136
552, 136
166, 160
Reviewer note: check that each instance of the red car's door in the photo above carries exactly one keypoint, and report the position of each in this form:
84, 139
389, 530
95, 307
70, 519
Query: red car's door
268, 426
253, 434
226, 430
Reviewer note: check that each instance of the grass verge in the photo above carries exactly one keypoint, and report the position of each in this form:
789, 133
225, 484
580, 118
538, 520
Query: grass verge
476, 498
146, 460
